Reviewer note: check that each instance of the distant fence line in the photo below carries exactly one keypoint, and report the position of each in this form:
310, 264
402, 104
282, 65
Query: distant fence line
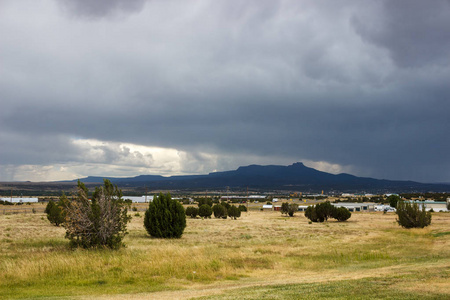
22, 210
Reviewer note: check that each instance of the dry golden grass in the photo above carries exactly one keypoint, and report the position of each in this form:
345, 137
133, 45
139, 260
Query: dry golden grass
215, 257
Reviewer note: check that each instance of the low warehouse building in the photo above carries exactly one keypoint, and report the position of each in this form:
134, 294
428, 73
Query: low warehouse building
302, 207
267, 207
142, 199
436, 206
354, 207
20, 200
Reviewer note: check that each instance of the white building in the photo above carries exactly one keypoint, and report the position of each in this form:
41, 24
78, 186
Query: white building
302, 207
267, 207
20, 200
142, 199
436, 206
356, 206
259, 197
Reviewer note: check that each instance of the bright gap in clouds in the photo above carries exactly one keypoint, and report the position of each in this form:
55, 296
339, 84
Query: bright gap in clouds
110, 159
114, 159
126, 159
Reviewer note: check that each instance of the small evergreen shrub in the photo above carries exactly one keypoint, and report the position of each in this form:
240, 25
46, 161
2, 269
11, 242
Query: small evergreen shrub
165, 217
410, 215
292, 209
205, 211
192, 212
219, 211
393, 200
284, 208
55, 211
325, 210
234, 212
311, 214
342, 214
242, 208
99, 222
225, 204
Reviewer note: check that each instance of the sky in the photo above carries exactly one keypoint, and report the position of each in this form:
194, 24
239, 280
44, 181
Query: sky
130, 87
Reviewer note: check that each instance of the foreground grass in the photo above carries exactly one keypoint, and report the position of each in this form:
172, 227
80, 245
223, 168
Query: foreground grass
262, 255
368, 288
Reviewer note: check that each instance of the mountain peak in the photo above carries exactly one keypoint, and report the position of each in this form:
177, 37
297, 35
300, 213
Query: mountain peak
298, 165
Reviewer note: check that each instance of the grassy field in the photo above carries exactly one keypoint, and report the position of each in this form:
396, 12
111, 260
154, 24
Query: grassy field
262, 255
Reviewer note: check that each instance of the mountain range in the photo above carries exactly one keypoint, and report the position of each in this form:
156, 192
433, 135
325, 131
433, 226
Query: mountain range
273, 177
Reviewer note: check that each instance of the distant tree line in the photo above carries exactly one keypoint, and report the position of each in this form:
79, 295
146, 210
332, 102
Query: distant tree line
221, 210
430, 196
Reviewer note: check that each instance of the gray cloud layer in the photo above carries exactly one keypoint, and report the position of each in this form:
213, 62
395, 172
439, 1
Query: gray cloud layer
102, 8
358, 84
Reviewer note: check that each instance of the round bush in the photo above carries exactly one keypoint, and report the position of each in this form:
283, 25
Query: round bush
341, 214
219, 211
242, 208
311, 214
55, 213
285, 208
192, 212
411, 215
292, 209
165, 218
234, 212
205, 211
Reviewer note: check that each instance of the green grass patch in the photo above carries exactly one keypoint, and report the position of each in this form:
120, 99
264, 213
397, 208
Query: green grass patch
368, 288
439, 234
59, 244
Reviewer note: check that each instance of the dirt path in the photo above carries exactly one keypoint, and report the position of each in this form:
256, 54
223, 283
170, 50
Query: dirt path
199, 290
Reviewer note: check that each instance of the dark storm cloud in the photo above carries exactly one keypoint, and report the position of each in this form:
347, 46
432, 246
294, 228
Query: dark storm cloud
416, 33
231, 84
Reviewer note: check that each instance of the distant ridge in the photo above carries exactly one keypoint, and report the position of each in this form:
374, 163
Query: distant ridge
271, 177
